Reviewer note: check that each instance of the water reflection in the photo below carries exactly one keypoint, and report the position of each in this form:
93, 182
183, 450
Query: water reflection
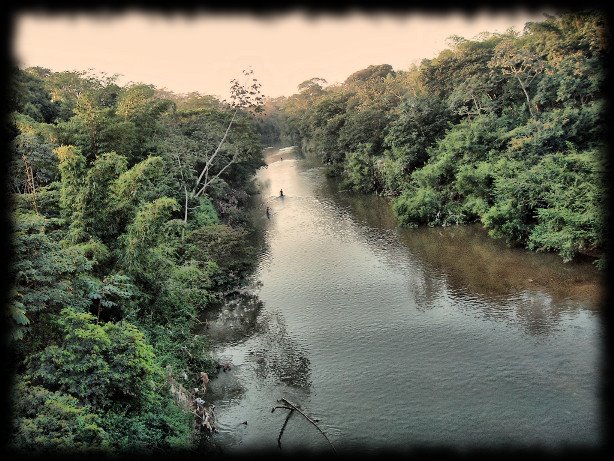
277, 354
487, 267
439, 336
273, 353
235, 321
474, 270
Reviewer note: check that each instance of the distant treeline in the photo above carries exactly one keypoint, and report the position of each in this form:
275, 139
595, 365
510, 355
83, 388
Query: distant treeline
113, 257
506, 129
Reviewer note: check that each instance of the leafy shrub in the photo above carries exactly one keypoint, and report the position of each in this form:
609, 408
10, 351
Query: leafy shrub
53, 421
101, 365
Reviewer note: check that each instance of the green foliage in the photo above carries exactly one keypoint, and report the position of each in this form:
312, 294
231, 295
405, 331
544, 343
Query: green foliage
17, 313
89, 128
144, 253
112, 295
572, 219
371, 72
420, 205
160, 426
44, 271
109, 166
358, 174
557, 204
390, 169
107, 365
72, 173
38, 153
473, 207
30, 97
183, 293
487, 130
365, 126
506, 219
46, 421
95, 200
421, 120
205, 214
138, 184
224, 245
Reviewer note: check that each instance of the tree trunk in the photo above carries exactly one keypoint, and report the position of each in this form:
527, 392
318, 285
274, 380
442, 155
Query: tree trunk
210, 161
185, 207
526, 95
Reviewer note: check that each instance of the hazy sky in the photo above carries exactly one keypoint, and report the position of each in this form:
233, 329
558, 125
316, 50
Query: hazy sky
204, 52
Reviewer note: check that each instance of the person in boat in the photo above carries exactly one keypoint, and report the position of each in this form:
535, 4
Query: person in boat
281, 193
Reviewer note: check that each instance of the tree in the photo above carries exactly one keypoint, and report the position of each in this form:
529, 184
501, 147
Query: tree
420, 121
515, 59
33, 147
102, 365
30, 97
68, 87
144, 249
44, 272
103, 241
358, 174
372, 72
46, 421
312, 87
244, 96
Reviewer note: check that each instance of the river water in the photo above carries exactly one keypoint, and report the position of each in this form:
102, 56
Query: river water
397, 338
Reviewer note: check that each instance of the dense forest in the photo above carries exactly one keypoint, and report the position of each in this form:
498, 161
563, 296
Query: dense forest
128, 205
127, 211
503, 129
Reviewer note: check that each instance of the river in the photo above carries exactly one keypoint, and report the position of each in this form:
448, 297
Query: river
396, 338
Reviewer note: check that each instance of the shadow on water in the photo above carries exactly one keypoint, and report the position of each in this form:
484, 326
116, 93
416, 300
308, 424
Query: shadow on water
277, 354
261, 336
234, 321
256, 347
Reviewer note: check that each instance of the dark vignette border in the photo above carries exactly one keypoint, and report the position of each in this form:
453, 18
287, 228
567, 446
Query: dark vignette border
257, 8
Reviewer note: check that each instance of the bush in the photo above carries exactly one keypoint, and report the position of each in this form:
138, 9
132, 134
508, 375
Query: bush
52, 421
358, 171
160, 425
101, 365
418, 206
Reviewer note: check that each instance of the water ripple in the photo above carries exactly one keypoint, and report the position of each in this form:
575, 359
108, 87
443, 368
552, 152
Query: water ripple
398, 337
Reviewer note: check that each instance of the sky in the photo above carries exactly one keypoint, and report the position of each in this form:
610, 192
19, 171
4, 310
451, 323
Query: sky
203, 52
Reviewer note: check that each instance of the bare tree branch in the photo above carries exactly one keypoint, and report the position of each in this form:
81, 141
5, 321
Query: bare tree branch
281, 432
210, 161
292, 407
217, 175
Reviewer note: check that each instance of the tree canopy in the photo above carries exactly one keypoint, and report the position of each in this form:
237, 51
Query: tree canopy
507, 129
108, 279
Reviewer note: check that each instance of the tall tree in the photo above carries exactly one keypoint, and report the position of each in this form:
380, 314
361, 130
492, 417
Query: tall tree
244, 96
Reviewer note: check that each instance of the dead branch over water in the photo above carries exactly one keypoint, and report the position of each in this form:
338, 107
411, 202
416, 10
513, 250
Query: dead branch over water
292, 407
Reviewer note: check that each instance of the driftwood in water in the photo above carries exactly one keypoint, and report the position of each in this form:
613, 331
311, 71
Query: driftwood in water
292, 407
